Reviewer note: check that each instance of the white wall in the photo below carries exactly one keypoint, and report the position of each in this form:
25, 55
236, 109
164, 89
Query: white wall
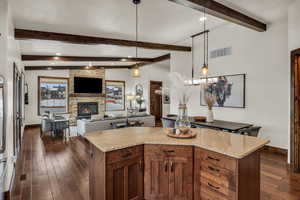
263, 58
294, 25
10, 53
31, 109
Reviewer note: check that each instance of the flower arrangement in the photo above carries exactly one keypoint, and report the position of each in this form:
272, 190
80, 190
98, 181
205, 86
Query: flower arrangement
210, 100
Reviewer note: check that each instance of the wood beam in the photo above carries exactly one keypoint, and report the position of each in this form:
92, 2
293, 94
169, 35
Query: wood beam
155, 60
141, 64
22, 34
82, 58
56, 67
221, 11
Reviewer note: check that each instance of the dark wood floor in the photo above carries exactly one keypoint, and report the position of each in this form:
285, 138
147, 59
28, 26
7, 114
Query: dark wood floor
51, 169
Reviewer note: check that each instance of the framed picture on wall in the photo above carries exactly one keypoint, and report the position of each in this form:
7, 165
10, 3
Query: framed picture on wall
229, 90
166, 99
115, 95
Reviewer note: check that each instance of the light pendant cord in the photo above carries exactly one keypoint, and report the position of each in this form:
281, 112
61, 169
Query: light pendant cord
204, 38
193, 60
136, 29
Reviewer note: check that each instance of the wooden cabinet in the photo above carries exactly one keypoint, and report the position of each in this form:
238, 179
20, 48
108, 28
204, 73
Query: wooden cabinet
220, 177
168, 172
123, 171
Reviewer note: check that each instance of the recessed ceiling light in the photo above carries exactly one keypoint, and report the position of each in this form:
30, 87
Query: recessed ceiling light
49, 68
58, 54
123, 59
56, 58
202, 19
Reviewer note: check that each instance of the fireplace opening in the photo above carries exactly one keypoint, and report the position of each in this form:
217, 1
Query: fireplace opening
86, 109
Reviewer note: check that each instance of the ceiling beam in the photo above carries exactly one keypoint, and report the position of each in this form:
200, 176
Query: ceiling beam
155, 60
22, 34
141, 64
56, 67
82, 58
221, 11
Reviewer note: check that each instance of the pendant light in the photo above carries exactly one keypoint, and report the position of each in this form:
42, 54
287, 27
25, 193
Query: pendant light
136, 70
204, 68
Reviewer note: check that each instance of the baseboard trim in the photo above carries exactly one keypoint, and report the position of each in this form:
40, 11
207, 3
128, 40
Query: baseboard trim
7, 195
276, 150
32, 126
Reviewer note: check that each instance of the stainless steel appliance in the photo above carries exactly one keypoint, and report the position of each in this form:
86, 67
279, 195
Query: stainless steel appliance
3, 164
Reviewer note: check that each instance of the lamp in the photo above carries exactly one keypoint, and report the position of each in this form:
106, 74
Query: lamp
136, 69
135, 72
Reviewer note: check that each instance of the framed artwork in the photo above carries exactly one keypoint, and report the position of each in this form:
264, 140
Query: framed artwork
166, 99
53, 94
229, 90
139, 90
115, 95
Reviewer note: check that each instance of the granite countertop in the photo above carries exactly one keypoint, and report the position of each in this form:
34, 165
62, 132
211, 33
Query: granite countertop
233, 145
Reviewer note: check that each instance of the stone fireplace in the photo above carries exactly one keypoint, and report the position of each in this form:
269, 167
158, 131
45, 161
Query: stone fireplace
79, 103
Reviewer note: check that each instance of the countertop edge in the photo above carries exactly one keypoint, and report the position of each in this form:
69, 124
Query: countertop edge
157, 143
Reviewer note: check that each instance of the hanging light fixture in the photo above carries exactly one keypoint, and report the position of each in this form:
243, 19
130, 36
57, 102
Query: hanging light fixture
136, 70
204, 68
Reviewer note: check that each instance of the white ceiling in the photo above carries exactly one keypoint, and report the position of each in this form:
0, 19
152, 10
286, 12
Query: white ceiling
159, 21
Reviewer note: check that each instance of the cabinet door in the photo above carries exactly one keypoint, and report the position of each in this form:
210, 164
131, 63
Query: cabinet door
125, 180
156, 178
181, 178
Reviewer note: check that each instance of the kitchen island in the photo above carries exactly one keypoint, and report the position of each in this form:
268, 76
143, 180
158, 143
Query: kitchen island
144, 163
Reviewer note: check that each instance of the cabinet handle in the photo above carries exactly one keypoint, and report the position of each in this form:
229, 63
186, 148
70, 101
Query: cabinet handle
166, 166
126, 155
211, 158
172, 166
213, 169
212, 186
168, 151
92, 154
141, 165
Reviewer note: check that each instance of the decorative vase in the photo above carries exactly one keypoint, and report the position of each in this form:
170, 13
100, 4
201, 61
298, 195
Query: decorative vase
182, 119
210, 116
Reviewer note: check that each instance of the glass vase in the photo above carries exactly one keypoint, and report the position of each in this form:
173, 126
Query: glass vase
182, 119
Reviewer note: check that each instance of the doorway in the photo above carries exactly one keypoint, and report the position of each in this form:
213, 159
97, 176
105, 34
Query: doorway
155, 100
17, 109
295, 111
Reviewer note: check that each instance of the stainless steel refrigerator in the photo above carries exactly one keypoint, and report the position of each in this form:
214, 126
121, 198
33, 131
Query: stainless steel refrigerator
3, 161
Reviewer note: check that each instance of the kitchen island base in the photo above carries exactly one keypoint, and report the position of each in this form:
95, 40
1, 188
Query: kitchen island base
172, 172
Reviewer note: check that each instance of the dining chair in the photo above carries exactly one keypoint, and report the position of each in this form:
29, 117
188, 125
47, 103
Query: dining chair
46, 126
251, 131
168, 123
62, 126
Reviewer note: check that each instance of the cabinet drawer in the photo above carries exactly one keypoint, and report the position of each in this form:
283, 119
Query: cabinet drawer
222, 176
209, 185
206, 194
169, 151
215, 159
124, 154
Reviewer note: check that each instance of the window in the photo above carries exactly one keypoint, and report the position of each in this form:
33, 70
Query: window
115, 95
53, 95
